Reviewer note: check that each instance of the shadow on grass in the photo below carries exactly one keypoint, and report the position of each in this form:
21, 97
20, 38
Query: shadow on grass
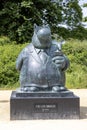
83, 113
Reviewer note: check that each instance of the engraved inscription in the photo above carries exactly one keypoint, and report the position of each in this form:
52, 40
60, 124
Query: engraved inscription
45, 108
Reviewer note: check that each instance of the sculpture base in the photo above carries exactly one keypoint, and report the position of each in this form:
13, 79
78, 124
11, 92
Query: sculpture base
44, 105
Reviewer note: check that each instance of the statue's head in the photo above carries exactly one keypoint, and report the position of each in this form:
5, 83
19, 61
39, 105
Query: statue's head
42, 36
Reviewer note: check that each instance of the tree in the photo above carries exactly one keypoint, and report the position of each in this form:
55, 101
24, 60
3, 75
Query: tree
72, 13
18, 17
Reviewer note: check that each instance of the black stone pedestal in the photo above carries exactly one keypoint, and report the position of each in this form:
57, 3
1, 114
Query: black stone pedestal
25, 106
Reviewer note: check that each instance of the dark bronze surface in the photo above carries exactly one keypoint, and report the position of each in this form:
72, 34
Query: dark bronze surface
44, 106
42, 64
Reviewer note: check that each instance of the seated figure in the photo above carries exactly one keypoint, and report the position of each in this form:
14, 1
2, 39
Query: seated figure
42, 64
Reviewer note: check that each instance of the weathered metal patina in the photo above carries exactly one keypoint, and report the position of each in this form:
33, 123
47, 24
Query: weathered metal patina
42, 64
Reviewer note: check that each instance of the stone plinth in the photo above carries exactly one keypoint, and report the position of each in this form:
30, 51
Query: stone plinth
44, 105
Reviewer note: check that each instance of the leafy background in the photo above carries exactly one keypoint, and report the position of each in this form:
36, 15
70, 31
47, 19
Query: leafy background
76, 75
17, 20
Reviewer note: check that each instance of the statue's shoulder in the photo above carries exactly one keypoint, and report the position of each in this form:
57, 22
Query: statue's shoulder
29, 48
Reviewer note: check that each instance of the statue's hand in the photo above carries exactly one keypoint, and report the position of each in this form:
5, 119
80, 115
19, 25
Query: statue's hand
59, 61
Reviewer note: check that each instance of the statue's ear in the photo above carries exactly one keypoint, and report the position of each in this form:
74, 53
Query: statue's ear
35, 27
47, 26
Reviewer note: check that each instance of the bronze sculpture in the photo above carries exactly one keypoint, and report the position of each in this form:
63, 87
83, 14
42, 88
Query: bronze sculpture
42, 64
42, 93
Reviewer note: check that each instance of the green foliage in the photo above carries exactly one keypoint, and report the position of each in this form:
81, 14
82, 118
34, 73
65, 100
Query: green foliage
76, 76
18, 17
77, 73
79, 32
8, 74
85, 5
72, 13
4, 40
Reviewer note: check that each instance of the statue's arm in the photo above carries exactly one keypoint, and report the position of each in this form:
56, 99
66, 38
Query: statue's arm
67, 63
19, 61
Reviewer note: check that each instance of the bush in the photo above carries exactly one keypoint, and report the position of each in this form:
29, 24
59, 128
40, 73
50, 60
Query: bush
76, 51
4, 40
8, 74
76, 75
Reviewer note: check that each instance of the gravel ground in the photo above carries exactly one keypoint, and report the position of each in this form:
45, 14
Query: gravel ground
79, 124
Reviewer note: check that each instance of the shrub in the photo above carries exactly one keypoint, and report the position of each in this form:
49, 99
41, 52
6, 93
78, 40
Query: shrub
75, 50
8, 54
4, 40
77, 73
